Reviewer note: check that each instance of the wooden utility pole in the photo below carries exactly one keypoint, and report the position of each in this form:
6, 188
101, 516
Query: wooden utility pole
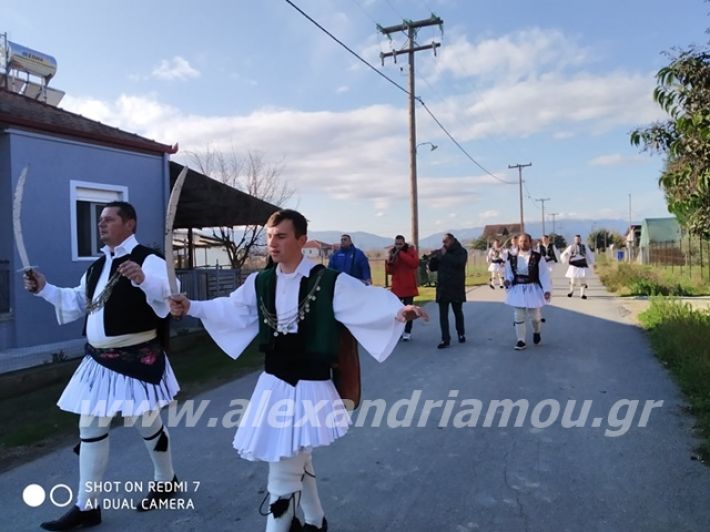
411, 28
542, 201
553, 214
520, 188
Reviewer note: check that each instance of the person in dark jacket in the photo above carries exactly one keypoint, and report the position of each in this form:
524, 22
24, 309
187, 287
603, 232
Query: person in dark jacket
450, 263
351, 260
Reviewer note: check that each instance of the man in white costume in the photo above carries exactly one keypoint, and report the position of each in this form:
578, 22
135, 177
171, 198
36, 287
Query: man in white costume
549, 252
496, 264
296, 309
580, 259
123, 299
528, 282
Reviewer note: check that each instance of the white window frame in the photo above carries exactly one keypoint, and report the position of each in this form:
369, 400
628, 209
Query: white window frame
93, 192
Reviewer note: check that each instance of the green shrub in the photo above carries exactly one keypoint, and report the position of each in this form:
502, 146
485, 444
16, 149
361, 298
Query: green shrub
680, 336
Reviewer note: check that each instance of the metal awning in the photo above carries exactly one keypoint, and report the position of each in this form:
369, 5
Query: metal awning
205, 202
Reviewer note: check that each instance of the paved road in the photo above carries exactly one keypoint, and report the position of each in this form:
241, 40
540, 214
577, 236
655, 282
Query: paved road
445, 475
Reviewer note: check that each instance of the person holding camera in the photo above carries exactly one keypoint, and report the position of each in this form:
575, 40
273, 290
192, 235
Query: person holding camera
402, 263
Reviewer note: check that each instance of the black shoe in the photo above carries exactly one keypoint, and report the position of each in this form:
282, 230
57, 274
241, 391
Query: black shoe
155, 497
308, 528
443, 344
75, 518
491, 285
584, 297
569, 294
519, 345
462, 339
542, 320
536, 338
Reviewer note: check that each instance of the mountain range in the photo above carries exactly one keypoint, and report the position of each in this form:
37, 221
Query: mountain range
565, 227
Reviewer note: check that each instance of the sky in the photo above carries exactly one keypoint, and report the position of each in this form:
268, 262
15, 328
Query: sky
557, 83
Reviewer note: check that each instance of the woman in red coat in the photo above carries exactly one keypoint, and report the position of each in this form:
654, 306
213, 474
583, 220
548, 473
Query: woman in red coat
402, 265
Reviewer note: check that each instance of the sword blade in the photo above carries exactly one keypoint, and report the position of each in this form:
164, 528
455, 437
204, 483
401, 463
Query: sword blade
169, 221
17, 219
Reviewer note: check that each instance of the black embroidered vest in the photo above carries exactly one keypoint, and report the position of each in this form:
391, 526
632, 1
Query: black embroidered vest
533, 275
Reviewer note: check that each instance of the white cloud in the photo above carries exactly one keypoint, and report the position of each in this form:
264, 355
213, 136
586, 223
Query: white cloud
513, 56
617, 159
177, 68
342, 89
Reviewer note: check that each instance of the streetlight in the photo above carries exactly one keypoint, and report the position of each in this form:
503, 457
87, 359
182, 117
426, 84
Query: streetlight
433, 146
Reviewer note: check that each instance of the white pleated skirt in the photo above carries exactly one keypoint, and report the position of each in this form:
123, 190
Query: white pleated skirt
525, 296
283, 420
496, 268
576, 273
98, 391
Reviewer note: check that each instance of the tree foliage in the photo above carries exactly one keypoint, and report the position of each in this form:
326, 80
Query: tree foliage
602, 238
252, 174
683, 91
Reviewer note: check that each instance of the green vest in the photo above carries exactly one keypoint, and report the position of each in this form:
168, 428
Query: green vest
318, 331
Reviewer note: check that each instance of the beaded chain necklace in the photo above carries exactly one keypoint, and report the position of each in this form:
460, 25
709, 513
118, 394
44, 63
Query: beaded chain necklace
281, 326
99, 302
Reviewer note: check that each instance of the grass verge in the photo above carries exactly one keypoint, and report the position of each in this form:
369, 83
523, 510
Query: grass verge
680, 336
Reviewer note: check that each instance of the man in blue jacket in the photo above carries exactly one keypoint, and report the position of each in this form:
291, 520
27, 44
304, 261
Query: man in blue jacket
349, 259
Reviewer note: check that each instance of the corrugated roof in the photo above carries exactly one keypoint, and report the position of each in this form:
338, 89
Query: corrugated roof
32, 115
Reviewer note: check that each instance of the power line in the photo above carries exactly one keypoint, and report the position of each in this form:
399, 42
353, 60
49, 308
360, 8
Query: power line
458, 145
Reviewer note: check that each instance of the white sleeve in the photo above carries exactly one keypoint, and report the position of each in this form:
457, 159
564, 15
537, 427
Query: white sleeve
369, 314
231, 321
508, 271
544, 274
155, 285
565, 254
69, 303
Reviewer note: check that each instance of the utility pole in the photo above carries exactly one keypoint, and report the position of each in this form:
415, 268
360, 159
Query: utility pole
542, 201
520, 188
553, 214
411, 28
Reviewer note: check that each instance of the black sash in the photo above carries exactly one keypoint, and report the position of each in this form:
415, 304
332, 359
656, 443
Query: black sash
145, 362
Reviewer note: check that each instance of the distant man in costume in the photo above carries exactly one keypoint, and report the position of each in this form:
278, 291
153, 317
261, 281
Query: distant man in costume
549, 252
122, 297
528, 282
450, 264
580, 259
351, 260
496, 264
402, 263
296, 310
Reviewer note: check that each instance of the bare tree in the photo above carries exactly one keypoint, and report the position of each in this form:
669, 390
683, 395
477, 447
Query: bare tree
252, 174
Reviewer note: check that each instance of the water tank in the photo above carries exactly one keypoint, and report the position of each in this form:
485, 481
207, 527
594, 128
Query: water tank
32, 61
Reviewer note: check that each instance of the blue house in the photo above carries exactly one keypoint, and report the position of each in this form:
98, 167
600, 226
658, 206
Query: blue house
76, 165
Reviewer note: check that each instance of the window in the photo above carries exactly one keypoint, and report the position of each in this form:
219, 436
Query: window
87, 201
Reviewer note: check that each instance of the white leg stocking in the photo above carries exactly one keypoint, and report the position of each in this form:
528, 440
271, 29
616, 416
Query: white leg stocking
93, 458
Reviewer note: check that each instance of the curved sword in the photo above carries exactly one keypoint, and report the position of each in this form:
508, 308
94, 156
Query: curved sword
17, 222
169, 220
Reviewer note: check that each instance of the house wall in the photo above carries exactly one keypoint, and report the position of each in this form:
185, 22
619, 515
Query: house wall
6, 242
46, 218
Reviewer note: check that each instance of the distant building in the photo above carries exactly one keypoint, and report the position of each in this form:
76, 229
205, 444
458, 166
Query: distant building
659, 242
500, 231
317, 250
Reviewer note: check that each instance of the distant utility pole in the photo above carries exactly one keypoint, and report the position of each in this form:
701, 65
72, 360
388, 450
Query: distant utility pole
553, 214
542, 201
411, 28
520, 187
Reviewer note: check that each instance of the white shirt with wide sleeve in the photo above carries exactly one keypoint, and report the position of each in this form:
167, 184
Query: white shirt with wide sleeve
267, 432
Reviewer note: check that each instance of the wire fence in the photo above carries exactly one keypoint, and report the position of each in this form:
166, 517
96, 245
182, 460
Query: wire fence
689, 256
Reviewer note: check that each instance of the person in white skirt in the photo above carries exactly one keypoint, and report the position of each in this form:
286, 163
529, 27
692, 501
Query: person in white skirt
295, 308
549, 252
580, 259
125, 371
496, 264
529, 287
